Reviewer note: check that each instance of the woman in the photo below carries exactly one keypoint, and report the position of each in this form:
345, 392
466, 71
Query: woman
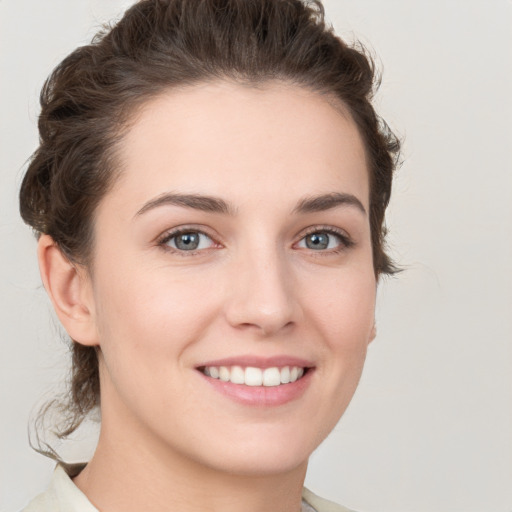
209, 196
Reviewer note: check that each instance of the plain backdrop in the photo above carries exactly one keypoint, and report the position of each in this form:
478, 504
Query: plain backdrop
430, 427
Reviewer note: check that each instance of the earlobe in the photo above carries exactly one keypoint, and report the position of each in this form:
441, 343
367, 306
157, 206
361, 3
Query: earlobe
68, 287
373, 333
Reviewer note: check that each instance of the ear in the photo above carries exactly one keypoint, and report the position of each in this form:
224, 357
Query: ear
373, 333
69, 289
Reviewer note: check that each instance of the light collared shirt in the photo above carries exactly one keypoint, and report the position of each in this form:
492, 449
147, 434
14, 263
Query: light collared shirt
63, 495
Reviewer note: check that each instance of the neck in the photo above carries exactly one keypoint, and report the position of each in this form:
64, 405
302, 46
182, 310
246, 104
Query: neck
153, 478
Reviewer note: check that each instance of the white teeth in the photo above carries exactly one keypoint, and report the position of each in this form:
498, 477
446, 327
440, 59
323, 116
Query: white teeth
271, 377
251, 376
224, 373
237, 375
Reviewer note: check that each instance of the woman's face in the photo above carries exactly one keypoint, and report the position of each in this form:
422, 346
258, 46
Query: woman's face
233, 254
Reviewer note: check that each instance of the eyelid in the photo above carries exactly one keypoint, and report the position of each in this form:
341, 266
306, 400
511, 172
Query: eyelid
345, 238
171, 233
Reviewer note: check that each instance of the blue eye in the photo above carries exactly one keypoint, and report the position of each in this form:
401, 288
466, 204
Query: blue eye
324, 240
188, 241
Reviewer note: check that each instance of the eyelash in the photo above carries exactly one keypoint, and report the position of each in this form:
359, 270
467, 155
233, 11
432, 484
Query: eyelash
345, 241
167, 237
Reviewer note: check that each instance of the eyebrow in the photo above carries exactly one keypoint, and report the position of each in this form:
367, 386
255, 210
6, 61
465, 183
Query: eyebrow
194, 201
212, 204
327, 201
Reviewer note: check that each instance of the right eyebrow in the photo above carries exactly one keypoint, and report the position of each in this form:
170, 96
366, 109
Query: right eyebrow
194, 201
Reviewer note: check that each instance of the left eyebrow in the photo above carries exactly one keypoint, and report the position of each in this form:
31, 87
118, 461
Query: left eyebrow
324, 202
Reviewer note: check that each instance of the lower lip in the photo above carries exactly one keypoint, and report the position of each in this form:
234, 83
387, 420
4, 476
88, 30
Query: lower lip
263, 396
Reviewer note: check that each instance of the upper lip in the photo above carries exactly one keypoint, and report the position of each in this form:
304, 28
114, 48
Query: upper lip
259, 362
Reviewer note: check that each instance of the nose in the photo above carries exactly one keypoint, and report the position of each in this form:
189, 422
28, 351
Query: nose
262, 294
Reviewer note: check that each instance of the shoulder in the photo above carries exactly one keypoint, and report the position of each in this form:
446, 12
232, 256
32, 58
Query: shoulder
321, 504
41, 503
62, 494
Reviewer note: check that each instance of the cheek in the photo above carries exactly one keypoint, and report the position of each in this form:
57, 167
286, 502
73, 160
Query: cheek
150, 312
145, 325
343, 313
345, 307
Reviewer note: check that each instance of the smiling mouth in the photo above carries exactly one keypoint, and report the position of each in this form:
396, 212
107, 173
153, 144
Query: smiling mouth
253, 376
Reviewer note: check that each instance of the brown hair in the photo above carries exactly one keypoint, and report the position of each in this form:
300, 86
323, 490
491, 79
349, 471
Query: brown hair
87, 102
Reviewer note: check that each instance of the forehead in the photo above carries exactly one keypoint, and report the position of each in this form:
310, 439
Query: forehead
249, 142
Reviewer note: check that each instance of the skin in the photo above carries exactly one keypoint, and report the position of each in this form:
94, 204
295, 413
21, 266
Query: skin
253, 287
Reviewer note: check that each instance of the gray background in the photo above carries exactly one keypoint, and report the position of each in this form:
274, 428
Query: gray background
430, 427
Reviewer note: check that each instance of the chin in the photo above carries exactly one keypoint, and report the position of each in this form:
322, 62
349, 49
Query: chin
261, 465
263, 455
